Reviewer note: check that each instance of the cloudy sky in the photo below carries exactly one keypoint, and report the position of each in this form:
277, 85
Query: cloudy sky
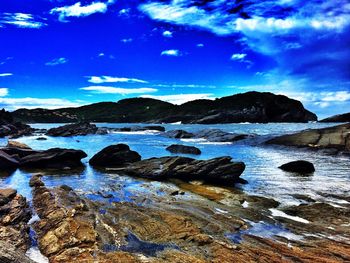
58, 53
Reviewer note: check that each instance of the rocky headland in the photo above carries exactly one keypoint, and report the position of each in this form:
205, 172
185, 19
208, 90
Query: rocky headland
337, 138
246, 107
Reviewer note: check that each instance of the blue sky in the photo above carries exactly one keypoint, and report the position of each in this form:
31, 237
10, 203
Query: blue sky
59, 53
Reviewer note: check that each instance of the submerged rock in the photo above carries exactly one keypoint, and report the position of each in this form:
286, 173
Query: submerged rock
114, 156
300, 166
218, 170
337, 137
75, 129
178, 148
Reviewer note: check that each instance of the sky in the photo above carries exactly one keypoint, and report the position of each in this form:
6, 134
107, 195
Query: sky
63, 53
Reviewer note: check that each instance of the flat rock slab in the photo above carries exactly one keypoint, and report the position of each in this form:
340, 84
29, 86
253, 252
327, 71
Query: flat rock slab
218, 170
177, 148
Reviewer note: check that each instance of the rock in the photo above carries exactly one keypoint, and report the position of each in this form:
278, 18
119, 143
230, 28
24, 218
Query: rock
54, 158
114, 156
139, 128
76, 129
177, 134
337, 137
41, 139
9, 127
14, 216
18, 145
7, 162
10, 254
35, 181
211, 135
302, 167
216, 135
218, 170
177, 148
338, 118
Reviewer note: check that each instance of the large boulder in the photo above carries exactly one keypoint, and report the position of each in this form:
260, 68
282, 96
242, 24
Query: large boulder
178, 148
54, 158
114, 156
301, 166
15, 144
7, 162
218, 170
75, 129
337, 137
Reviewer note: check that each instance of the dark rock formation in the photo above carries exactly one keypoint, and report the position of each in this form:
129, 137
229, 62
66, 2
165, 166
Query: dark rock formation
338, 118
14, 216
9, 127
139, 128
13, 157
7, 162
216, 135
337, 137
178, 134
246, 107
178, 148
54, 158
76, 129
114, 156
218, 170
211, 135
302, 167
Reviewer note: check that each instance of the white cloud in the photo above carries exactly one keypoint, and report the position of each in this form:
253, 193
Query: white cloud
77, 10
240, 56
109, 79
113, 90
56, 61
21, 20
167, 33
181, 98
184, 86
32, 103
126, 40
200, 45
171, 52
5, 74
4, 92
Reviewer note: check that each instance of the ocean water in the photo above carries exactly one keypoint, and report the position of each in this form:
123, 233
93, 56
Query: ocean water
328, 184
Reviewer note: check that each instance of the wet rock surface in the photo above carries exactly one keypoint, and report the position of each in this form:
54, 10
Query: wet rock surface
74, 228
218, 170
75, 129
178, 148
301, 166
337, 137
114, 156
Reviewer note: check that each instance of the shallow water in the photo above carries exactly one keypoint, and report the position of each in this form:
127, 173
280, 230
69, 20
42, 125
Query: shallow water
332, 174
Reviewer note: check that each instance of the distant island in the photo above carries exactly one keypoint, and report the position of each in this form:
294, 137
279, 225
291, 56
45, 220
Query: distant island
258, 107
338, 118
